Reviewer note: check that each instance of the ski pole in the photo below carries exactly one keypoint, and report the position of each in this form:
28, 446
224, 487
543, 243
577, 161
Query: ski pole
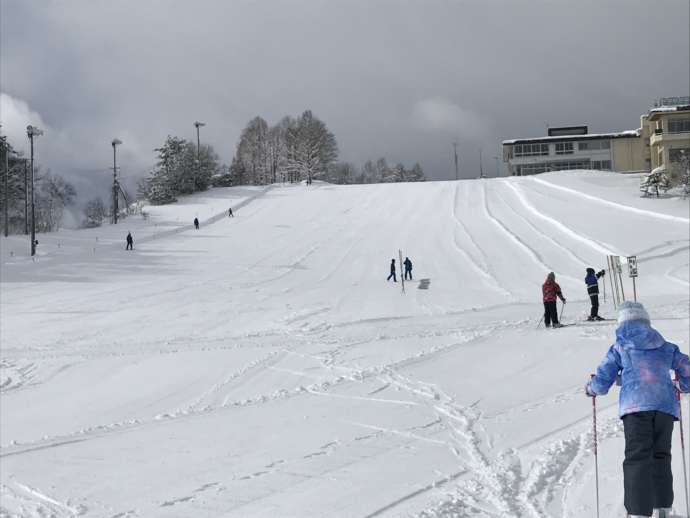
596, 454
540, 321
560, 317
682, 446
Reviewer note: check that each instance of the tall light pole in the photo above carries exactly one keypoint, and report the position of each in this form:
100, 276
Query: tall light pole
198, 125
6, 147
455, 151
33, 131
481, 167
116, 142
26, 197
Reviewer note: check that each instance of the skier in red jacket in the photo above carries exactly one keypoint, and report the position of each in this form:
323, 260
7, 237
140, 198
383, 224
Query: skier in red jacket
550, 289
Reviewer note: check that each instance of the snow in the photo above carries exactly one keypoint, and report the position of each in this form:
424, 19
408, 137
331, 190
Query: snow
586, 136
262, 365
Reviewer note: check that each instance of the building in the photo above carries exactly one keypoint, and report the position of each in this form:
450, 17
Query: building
666, 133
662, 141
573, 147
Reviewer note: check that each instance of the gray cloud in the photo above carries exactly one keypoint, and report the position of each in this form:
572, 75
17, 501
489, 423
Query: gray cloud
401, 79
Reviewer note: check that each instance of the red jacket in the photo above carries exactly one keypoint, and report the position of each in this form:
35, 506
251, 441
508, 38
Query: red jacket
551, 290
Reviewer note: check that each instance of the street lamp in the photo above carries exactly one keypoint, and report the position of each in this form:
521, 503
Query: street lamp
33, 131
116, 142
6, 147
198, 125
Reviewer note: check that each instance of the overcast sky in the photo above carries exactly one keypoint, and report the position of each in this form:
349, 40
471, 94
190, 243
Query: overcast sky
396, 78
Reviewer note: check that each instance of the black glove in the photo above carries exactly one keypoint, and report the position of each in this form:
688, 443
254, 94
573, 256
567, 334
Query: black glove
602, 273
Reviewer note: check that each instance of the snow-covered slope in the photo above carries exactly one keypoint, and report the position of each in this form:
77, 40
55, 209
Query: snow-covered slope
262, 365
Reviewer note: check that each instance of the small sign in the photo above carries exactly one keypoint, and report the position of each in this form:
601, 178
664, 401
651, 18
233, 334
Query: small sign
632, 266
617, 264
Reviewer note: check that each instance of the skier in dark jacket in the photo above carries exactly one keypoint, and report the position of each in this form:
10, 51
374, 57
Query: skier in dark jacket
649, 403
230, 214
130, 242
592, 283
395, 279
196, 223
550, 290
408, 267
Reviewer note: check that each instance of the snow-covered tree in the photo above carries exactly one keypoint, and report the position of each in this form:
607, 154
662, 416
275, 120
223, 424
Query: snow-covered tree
311, 147
51, 196
94, 213
416, 174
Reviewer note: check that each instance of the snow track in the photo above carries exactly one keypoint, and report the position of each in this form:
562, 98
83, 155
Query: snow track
262, 366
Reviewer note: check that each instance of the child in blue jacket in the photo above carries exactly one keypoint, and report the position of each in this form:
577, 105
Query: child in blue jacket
648, 407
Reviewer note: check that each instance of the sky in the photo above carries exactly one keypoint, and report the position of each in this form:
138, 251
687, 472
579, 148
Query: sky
402, 79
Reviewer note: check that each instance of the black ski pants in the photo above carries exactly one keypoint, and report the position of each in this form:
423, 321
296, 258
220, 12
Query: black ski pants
594, 298
129, 246
395, 279
550, 312
647, 476
408, 272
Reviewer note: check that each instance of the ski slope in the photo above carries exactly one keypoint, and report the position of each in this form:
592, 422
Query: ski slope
262, 365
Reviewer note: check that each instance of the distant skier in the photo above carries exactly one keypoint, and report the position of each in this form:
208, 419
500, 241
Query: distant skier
395, 279
592, 282
648, 405
230, 214
408, 267
550, 290
130, 242
196, 223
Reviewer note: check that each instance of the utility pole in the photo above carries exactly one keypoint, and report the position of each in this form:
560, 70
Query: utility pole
116, 142
455, 150
198, 125
5, 146
33, 131
26, 197
481, 168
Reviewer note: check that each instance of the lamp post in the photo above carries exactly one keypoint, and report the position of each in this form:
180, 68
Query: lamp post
455, 151
116, 142
6, 147
198, 125
33, 131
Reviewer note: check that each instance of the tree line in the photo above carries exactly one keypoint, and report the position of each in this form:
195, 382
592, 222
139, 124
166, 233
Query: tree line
52, 193
295, 149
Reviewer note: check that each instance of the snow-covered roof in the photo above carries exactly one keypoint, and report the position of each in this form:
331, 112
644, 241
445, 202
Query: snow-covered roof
664, 109
569, 138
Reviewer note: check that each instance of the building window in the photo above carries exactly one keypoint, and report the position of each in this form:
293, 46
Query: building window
606, 165
593, 144
679, 125
564, 148
531, 150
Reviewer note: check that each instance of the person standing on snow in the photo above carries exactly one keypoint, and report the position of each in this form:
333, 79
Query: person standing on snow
230, 214
395, 279
130, 242
550, 290
196, 223
648, 406
592, 282
408, 267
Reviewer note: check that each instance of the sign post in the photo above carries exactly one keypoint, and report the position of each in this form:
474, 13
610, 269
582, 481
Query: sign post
632, 273
402, 277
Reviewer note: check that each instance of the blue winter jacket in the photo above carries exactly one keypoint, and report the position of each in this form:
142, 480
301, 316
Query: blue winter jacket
643, 358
